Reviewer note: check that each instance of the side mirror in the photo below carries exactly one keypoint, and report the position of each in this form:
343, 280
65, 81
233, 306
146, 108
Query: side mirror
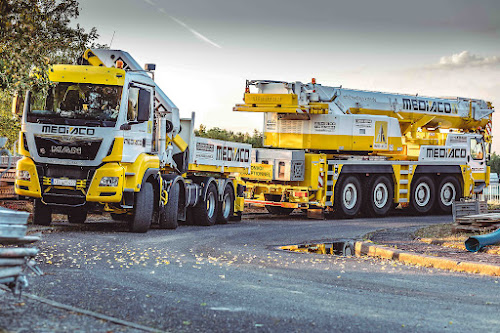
17, 105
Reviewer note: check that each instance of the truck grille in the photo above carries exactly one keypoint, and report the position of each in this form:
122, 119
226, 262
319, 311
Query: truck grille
64, 196
59, 146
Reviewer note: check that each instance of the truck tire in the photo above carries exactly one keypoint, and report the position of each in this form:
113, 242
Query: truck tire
449, 190
42, 214
277, 210
422, 195
143, 209
77, 215
379, 196
205, 212
226, 206
169, 214
348, 196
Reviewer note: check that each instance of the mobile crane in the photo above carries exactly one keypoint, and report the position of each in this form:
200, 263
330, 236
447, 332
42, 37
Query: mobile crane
106, 137
345, 150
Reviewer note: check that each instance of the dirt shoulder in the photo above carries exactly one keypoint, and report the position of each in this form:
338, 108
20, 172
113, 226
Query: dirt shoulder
416, 240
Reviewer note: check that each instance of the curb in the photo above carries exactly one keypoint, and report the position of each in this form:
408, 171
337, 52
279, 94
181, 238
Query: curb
371, 250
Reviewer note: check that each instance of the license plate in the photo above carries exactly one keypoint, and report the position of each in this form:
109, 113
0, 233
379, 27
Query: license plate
64, 182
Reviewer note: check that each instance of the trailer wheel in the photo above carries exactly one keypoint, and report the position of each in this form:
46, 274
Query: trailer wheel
77, 215
277, 210
379, 196
42, 214
449, 190
348, 196
205, 212
169, 214
422, 195
143, 209
226, 207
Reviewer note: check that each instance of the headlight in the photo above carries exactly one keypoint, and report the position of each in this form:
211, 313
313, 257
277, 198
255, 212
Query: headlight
109, 181
22, 175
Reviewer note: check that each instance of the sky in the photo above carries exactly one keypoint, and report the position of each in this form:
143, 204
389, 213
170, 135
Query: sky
204, 50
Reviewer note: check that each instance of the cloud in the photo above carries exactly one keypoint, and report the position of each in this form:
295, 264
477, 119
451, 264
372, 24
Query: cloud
194, 32
466, 59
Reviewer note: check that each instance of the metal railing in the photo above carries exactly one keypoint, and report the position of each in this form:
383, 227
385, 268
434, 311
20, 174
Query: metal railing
492, 193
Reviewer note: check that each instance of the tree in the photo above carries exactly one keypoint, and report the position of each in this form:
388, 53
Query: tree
222, 134
33, 35
494, 163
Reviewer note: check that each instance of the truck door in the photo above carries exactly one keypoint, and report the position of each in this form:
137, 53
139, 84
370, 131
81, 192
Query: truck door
139, 138
478, 161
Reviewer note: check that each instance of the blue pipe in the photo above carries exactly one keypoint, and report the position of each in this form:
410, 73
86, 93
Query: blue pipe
476, 243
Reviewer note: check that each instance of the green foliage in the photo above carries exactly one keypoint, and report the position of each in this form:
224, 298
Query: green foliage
494, 163
222, 134
35, 34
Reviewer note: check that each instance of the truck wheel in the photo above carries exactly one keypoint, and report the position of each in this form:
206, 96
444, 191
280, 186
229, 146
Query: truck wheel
348, 197
379, 196
226, 207
143, 209
277, 210
422, 195
78, 215
205, 212
449, 190
42, 214
169, 214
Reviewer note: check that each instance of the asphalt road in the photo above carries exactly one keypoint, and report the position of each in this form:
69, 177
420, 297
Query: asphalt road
231, 278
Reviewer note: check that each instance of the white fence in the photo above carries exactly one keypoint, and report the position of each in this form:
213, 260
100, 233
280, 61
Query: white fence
492, 193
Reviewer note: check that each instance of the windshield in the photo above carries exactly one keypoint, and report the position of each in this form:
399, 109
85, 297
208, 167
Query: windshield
77, 103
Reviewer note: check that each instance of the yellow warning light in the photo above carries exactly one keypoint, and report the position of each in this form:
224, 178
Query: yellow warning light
119, 64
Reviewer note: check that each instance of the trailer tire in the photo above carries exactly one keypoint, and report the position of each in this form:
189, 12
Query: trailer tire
379, 196
449, 190
348, 196
277, 210
143, 209
205, 211
42, 214
77, 215
422, 195
169, 214
226, 206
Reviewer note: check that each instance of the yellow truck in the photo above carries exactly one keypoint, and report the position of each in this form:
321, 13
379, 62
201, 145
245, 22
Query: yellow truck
106, 137
351, 151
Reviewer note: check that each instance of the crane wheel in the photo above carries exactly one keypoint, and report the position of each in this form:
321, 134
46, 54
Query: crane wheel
449, 190
226, 206
205, 212
169, 214
348, 196
379, 196
42, 214
143, 209
422, 195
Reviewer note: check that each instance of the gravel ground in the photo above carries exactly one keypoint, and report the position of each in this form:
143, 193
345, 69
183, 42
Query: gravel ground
27, 315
